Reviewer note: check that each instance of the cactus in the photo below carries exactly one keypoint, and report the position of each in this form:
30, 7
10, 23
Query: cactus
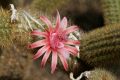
12, 32
101, 47
5, 28
14, 57
48, 6
101, 74
111, 11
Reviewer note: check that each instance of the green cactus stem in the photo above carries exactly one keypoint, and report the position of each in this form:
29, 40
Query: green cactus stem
101, 47
111, 11
101, 74
48, 6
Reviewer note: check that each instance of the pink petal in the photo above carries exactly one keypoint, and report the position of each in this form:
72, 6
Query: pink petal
44, 60
64, 22
71, 42
72, 49
38, 44
57, 21
54, 61
71, 29
38, 33
64, 52
64, 61
46, 21
41, 52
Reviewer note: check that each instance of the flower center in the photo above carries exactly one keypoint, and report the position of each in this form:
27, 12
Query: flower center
56, 40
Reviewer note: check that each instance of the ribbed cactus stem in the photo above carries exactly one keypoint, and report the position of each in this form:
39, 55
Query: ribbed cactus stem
101, 74
102, 46
111, 11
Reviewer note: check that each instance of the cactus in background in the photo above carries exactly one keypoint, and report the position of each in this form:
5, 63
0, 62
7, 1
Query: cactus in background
101, 47
101, 74
111, 11
48, 6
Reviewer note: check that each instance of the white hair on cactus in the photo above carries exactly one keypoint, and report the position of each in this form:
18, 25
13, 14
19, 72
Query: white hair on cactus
28, 21
75, 37
86, 74
14, 13
33, 19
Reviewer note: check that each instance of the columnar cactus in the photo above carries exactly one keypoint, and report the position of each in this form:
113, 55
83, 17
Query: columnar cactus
102, 46
101, 74
111, 11
48, 6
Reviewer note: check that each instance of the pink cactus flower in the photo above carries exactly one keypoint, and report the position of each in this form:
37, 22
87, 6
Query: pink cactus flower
55, 41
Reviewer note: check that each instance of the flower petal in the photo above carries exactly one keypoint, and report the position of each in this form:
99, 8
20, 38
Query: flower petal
41, 52
38, 33
38, 44
71, 29
44, 60
73, 42
71, 49
57, 21
46, 21
64, 61
64, 52
64, 22
54, 61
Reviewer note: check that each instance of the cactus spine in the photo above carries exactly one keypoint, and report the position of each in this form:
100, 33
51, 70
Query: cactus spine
102, 46
111, 11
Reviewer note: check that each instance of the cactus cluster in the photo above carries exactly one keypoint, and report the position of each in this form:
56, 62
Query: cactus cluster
102, 46
98, 48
